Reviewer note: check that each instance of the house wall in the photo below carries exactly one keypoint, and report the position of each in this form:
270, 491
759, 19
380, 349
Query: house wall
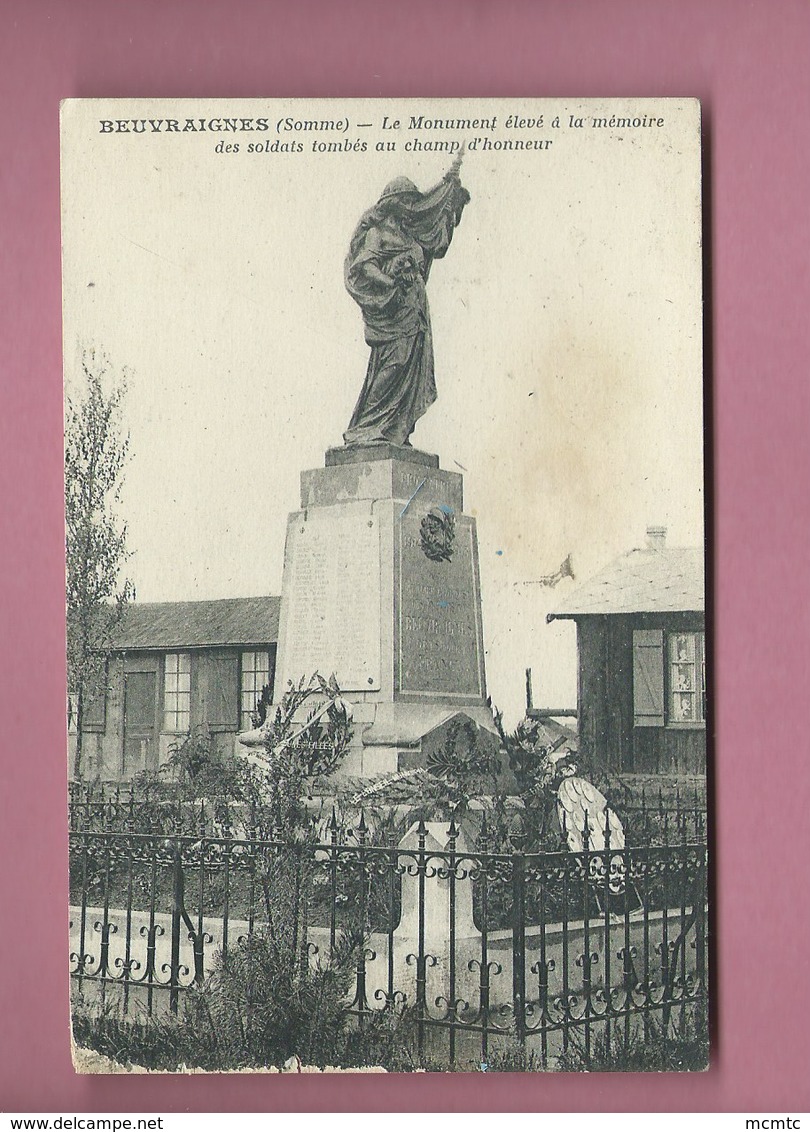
609, 738
105, 753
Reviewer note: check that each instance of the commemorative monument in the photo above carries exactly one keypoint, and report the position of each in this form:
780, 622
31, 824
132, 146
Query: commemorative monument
380, 583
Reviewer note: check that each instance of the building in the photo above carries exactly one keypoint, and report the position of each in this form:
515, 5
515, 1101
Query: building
177, 666
642, 661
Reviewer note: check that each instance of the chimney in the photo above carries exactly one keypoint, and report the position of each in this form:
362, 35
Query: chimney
656, 538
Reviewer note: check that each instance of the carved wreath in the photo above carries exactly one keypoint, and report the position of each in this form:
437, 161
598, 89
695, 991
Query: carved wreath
438, 533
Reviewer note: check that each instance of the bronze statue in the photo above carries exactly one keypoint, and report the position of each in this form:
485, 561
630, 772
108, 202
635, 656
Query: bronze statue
386, 271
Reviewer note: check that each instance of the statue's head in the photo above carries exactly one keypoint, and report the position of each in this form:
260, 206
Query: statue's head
398, 195
398, 187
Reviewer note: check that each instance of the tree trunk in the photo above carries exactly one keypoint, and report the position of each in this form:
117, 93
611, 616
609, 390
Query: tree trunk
77, 758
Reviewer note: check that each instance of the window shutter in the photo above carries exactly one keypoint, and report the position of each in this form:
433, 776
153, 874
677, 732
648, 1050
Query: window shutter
648, 677
223, 692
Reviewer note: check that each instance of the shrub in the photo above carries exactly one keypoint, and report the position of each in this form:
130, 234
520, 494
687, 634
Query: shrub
681, 1046
262, 1004
265, 1003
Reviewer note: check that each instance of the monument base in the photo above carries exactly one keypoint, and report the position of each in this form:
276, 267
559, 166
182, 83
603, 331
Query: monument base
381, 590
396, 737
359, 453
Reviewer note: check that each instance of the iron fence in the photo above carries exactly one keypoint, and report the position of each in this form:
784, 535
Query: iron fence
485, 945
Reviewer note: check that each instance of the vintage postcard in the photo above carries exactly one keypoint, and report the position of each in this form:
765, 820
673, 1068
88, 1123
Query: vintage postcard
387, 716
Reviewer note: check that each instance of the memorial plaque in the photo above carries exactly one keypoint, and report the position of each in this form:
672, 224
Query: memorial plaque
439, 625
332, 597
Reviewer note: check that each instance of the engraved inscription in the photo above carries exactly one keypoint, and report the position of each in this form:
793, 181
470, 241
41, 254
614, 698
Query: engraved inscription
439, 616
428, 489
333, 615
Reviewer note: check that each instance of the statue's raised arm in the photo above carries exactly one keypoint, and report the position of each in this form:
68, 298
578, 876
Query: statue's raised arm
386, 272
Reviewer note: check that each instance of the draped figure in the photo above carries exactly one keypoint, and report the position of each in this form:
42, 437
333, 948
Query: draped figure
386, 273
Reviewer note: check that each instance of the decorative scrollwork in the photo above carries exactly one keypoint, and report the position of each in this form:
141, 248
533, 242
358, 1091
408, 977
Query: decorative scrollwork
453, 1009
391, 1001
430, 960
182, 971
492, 967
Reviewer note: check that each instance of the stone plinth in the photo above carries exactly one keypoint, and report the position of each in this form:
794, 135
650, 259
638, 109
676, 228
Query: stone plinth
370, 453
435, 919
381, 588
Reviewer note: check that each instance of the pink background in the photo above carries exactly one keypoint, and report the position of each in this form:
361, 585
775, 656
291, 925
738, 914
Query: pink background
748, 62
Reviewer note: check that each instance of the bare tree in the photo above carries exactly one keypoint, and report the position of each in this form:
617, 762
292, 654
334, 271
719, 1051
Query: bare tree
96, 451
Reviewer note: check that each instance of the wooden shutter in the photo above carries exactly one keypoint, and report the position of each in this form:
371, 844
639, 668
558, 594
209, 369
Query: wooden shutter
648, 677
223, 692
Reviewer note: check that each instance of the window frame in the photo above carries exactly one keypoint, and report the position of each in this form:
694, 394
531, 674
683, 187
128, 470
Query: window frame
245, 722
166, 727
699, 722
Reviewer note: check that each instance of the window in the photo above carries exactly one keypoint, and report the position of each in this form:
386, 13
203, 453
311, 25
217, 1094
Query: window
177, 692
255, 675
669, 679
686, 678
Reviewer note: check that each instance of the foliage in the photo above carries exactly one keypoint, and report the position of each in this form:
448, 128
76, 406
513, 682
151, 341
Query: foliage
263, 705
201, 764
389, 1038
261, 1005
462, 781
96, 452
156, 1042
265, 1003
296, 751
526, 756
538, 777
320, 744
311, 1019
309, 1026
463, 769
680, 1047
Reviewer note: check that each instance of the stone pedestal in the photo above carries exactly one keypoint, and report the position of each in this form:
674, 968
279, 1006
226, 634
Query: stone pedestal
381, 588
436, 910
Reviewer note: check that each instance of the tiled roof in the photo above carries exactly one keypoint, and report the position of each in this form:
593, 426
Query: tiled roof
194, 624
666, 580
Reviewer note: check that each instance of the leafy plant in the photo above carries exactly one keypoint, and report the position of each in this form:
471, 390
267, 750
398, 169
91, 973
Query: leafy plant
96, 452
200, 763
297, 750
682, 1046
265, 1002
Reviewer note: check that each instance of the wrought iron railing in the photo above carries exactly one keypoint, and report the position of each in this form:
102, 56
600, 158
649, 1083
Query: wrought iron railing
551, 949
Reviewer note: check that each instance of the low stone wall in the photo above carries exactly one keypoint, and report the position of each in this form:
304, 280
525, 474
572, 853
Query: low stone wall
562, 945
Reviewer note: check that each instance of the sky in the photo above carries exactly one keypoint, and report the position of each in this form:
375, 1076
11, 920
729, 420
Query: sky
566, 321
